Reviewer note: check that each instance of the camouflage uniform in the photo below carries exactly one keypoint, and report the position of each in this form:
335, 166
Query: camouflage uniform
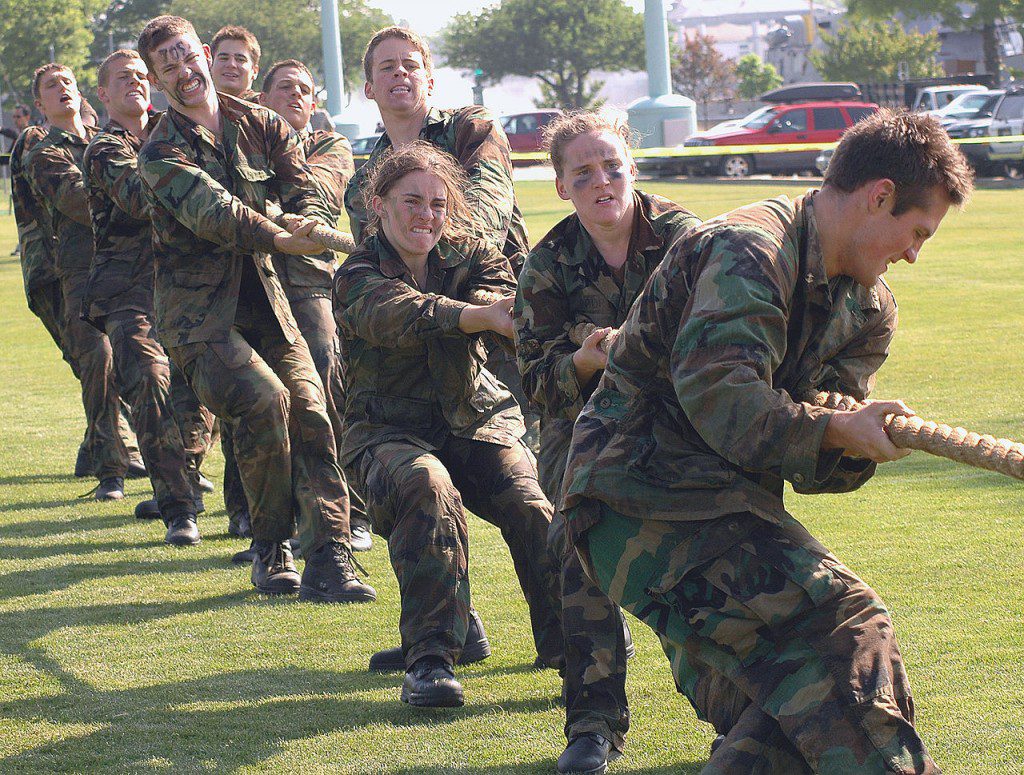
673, 496
428, 428
119, 300
54, 170
224, 319
565, 282
479, 144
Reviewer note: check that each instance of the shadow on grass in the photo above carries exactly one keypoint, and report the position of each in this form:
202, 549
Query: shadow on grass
545, 766
41, 581
40, 528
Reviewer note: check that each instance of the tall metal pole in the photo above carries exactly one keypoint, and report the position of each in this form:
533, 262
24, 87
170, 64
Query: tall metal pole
659, 82
331, 36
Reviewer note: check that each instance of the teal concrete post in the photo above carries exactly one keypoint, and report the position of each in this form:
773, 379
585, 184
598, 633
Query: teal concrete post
330, 36
662, 110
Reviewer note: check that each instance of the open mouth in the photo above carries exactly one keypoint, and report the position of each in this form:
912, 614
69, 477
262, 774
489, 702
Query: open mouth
192, 86
422, 230
65, 99
601, 200
401, 90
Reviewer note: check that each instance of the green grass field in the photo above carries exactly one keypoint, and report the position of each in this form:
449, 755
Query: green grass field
120, 654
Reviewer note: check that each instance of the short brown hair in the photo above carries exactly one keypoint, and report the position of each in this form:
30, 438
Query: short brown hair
566, 128
49, 67
268, 79
160, 29
910, 149
103, 74
402, 33
416, 156
234, 32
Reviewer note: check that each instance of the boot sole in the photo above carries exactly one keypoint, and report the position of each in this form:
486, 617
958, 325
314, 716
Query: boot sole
277, 590
470, 655
433, 699
189, 542
311, 595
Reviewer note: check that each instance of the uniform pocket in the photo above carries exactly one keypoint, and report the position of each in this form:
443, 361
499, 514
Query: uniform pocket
199, 276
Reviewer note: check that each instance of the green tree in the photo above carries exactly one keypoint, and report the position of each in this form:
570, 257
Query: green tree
872, 50
290, 29
30, 28
755, 77
981, 15
700, 72
560, 43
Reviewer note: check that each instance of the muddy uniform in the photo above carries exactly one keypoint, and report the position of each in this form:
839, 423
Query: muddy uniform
673, 496
223, 316
53, 168
564, 283
429, 429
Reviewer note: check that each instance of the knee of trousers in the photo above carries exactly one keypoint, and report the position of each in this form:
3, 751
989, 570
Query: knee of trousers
145, 380
265, 411
421, 503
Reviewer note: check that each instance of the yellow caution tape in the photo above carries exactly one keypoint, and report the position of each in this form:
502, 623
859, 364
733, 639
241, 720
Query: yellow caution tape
730, 150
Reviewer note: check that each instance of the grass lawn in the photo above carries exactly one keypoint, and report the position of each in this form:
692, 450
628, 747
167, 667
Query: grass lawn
120, 654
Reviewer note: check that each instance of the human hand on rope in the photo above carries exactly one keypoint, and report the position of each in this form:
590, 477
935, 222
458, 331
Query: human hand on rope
861, 431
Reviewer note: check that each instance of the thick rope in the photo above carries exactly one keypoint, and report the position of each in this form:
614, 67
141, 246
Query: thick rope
981, 451
332, 239
579, 332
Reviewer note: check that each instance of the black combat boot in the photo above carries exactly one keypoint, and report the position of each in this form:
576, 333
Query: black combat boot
240, 524
430, 683
137, 469
328, 577
182, 530
147, 509
246, 556
273, 571
477, 649
110, 489
587, 754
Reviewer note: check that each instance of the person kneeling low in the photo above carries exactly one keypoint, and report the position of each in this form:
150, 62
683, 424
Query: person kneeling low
428, 428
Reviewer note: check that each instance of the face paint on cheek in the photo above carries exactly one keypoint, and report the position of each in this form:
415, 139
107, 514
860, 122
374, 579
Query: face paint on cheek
580, 182
616, 174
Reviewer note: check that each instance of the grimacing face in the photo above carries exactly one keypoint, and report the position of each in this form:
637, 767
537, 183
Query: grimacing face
413, 213
127, 89
401, 82
181, 70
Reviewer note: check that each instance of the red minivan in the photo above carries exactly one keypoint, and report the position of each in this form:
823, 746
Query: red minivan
524, 129
805, 122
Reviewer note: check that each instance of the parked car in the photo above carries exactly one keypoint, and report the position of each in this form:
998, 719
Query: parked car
965, 107
936, 97
1008, 119
524, 129
362, 147
805, 122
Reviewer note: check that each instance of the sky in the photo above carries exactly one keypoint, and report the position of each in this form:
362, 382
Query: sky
428, 17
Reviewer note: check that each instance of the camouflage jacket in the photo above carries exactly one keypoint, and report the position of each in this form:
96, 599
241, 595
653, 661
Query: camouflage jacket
700, 411
35, 232
329, 156
54, 170
478, 142
565, 281
208, 200
122, 268
411, 375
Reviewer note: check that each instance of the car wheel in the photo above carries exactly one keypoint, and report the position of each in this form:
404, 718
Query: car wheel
737, 166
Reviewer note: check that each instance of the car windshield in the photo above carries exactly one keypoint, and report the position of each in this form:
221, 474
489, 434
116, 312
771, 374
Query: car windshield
989, 106
966, 103
759, 118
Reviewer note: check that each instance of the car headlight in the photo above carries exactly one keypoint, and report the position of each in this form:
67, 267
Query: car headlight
977, 131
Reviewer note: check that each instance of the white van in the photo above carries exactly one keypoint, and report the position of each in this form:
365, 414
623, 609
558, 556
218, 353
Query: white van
937, 97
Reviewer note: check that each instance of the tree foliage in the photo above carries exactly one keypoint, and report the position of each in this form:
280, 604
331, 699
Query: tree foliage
290, 29
700, 72
560, 43
872, 51
980, 15
754, 77
28, 28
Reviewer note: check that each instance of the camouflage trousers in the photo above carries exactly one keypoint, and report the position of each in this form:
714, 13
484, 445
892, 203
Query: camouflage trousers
195, 422
415, 499
268, 390
594, 683
143, 377
502, 365
89, 350
773, 640
315, 320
